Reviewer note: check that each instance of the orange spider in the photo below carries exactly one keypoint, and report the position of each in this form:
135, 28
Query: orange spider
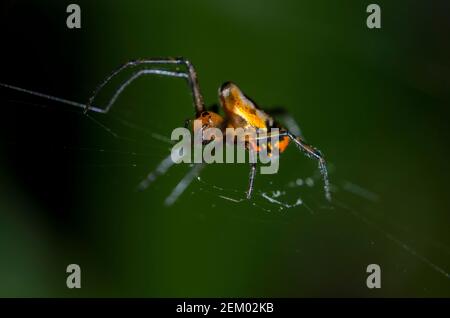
239, 112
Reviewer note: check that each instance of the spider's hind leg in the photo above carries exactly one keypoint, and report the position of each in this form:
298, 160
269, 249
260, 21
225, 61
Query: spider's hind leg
314, 153
311, 152
251, 180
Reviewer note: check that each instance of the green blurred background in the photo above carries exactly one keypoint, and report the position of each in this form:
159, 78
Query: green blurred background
374, 101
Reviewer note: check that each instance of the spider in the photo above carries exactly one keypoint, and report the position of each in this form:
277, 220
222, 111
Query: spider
239, 112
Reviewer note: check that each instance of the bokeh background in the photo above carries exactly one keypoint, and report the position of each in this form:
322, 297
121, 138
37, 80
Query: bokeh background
376, 102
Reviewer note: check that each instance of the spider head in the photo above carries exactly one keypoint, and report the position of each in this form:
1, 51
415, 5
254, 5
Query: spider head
204, 124
209, 119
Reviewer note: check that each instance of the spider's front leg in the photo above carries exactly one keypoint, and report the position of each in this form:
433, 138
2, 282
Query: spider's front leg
189, 74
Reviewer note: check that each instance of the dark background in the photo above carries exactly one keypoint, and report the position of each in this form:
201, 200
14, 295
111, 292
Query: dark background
374, 101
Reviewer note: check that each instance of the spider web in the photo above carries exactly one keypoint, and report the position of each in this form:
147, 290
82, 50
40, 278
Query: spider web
277, 200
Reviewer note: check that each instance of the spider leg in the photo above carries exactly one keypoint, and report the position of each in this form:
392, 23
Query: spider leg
189, 74
183, 184
251, 180
311, 152
53, 98
314, 153
160, 170
133, 77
